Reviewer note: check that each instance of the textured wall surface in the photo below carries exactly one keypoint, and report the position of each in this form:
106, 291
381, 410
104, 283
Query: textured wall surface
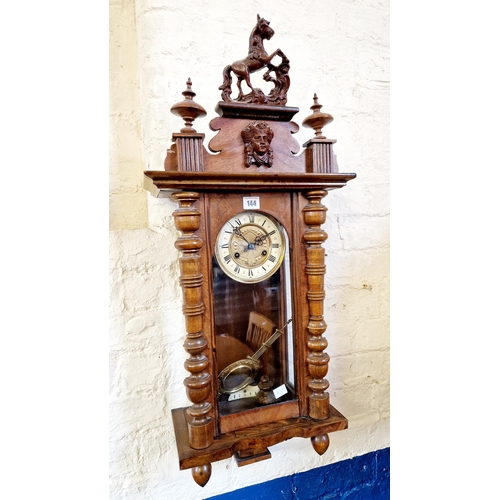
366, 477
340, 50
127, 201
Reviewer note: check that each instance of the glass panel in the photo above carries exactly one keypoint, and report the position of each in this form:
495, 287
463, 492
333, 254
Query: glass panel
253, 342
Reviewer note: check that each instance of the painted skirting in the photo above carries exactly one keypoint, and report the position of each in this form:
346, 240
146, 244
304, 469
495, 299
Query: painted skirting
361, 478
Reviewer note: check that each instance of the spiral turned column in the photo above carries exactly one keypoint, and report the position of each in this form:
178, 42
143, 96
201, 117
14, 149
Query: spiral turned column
317, 359
198, 384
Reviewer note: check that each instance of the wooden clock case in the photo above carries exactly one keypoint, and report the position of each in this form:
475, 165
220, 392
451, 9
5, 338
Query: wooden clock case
209, 189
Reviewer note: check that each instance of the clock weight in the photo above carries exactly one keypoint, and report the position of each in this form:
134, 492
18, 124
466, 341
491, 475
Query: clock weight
265, 395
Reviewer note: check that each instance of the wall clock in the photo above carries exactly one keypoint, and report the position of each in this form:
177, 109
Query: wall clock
252, 268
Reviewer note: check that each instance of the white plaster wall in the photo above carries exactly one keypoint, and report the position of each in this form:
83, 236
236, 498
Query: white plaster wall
340, 50
127, 201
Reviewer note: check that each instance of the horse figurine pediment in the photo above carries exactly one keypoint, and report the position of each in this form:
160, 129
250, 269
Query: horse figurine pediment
256, 59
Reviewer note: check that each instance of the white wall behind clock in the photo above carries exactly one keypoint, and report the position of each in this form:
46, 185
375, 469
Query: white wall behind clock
339, 50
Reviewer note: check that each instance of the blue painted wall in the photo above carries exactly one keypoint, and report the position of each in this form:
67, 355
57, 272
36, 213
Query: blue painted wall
360, 478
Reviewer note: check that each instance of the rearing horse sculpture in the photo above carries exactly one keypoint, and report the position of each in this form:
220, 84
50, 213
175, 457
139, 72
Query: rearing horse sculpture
257, 58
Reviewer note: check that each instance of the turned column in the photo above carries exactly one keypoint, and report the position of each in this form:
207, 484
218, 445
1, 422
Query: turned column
317, 359
199, 416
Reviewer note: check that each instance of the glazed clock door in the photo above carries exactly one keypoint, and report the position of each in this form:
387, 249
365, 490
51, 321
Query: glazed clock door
252, 311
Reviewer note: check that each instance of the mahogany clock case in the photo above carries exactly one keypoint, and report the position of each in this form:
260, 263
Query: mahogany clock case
256, 157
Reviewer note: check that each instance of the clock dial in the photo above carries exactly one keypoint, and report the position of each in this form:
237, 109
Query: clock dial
250, 247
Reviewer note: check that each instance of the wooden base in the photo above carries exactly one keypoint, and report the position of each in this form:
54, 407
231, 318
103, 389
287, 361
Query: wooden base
250, 442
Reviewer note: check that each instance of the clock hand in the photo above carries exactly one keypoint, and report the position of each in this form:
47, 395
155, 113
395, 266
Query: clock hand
259, 240
237, 232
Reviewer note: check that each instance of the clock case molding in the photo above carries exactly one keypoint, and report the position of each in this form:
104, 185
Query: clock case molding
291, 188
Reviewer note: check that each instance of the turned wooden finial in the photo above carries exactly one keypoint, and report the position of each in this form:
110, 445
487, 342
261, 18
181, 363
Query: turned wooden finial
188, 110
318, 119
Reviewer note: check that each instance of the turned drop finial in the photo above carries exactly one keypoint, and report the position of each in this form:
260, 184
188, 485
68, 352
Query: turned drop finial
318, 119
188, 110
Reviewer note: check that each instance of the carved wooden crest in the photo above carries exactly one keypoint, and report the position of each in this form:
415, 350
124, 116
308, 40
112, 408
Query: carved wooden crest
256, 59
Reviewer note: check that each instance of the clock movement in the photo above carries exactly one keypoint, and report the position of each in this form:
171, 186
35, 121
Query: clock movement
252, 268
